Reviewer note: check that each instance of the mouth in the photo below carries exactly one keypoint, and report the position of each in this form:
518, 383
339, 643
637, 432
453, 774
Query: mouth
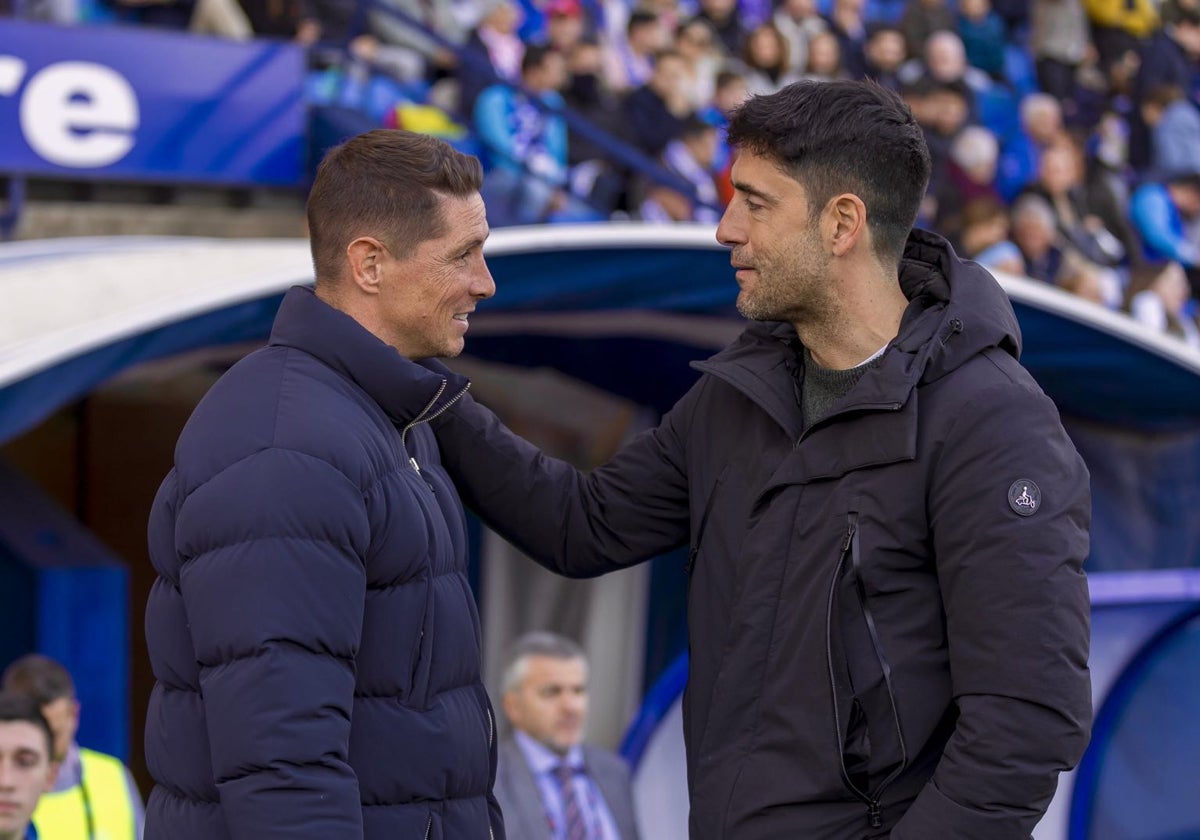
462, 317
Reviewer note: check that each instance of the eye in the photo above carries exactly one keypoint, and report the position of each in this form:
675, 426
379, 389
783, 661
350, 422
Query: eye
752, 205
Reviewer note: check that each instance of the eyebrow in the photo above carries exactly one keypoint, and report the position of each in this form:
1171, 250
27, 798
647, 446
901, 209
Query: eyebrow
742, 186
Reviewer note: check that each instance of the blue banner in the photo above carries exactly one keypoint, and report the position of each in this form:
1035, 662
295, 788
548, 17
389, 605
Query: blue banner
138, 104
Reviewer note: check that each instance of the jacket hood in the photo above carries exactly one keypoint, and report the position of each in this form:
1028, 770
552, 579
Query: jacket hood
956, 309
404, 389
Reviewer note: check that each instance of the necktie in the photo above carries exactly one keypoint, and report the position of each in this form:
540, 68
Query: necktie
576, 826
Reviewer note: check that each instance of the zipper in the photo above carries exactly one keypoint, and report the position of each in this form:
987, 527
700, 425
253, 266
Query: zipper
712, 499
429, 826
491, 728
849, 550
421, 418
888, 406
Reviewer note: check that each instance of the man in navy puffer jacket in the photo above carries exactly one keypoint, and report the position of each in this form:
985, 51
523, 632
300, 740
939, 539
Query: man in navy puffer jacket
314, 639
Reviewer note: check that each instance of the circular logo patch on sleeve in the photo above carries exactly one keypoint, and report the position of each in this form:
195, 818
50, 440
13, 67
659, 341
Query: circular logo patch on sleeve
1024, 497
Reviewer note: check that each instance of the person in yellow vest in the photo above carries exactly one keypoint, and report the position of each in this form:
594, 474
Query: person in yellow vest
94, 796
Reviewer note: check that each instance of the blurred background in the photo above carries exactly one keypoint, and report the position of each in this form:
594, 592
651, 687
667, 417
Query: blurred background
155, 158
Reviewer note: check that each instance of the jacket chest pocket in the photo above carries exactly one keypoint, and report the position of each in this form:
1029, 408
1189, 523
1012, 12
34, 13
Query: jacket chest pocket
866, 718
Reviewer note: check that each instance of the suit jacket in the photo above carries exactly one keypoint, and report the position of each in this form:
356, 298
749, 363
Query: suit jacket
521, 801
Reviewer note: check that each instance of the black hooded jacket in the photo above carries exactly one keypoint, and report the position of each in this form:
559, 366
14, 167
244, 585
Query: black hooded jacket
888, 618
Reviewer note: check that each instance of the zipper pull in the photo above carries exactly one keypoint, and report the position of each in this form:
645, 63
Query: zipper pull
413, 461
849, 538
874, 817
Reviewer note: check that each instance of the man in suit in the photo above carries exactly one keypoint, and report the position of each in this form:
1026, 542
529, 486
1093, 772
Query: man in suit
552, 786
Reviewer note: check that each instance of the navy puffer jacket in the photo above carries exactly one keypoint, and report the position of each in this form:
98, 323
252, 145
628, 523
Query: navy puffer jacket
314, 638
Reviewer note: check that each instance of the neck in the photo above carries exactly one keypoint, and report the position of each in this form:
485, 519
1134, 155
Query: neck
863, 318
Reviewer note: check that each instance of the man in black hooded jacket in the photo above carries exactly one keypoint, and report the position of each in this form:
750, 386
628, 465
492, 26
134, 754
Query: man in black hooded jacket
888, 617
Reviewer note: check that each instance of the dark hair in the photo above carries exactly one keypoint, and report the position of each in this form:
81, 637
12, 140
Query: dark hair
639, 18
38, 677
21, 707
535, 56
843, 136
1163, 95
695, 125
1178, 11
387, 183
727, 76
1188, 179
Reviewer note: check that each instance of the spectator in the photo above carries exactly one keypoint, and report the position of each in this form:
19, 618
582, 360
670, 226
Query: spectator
587, 94
766, 60
1060, 182
654, 113
566, 24
921, 19
525, 146
944, 62
1120, 27
1035, 232
1159, 298
1174, 124
26, 765
1041, 125
592, 174
824, 59
847, 23
1107, 179
1086, 280
492, 52
983, 35
884, 55
691, 159
548, 781
704, 54
985, 229
1165, 215
799, 22
731, 92
970, 171
93, 794
630, 61
941, 111
1059, 40
726, 22
1170, 57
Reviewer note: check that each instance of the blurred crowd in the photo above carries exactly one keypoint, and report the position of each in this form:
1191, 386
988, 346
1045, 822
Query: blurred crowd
1065, 134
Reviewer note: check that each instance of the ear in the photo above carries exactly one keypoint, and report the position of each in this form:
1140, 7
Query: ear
509, 700
845, 223
365, 256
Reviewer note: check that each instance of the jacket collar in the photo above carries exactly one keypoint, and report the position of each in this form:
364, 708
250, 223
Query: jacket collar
956, 311
404, 389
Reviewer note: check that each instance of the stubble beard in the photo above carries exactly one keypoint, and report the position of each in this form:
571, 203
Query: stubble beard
798, 296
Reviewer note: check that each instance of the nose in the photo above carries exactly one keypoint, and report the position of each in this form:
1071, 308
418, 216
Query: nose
729, 229
484, 286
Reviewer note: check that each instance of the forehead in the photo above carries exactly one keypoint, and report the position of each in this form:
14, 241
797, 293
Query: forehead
551, 669
21, 735
762, 175
464, 220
